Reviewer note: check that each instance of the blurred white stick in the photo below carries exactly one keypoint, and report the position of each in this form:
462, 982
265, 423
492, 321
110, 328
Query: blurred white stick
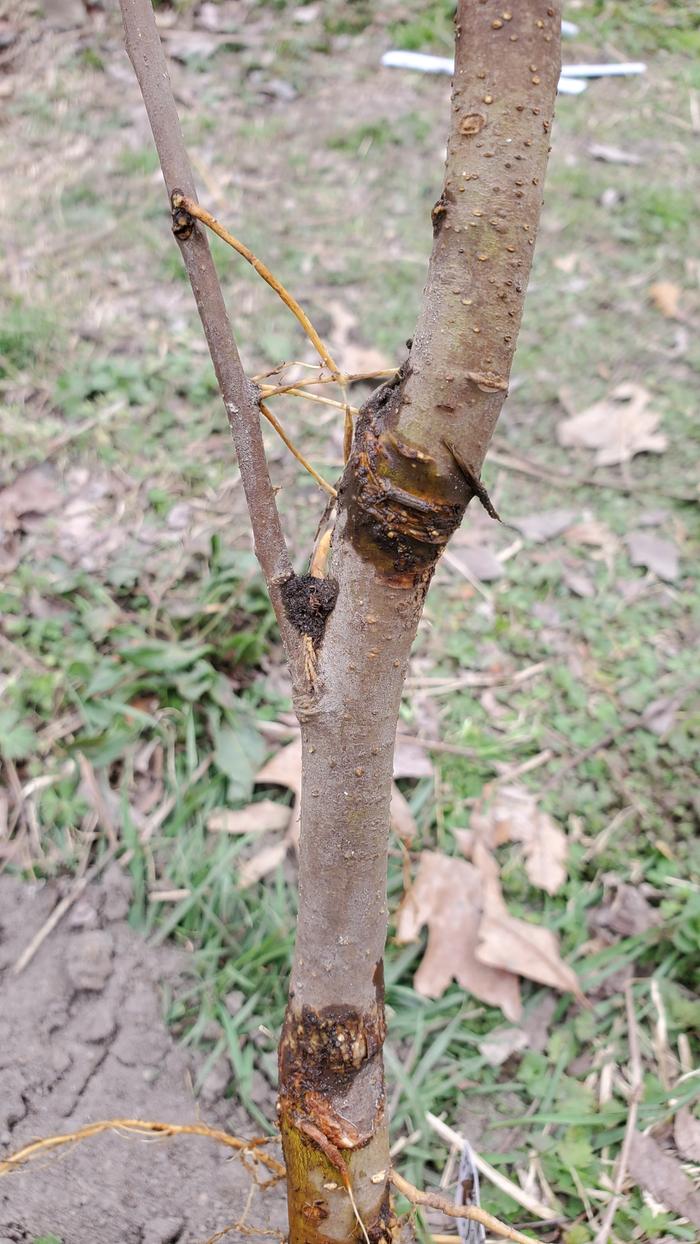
423, 62
571, 82
537, 1208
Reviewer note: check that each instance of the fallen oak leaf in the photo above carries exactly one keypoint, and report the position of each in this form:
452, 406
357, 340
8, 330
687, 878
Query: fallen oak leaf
544, 524
283, 769
411, 760
501, 1044
479, 562
617, 427
653, 553
446, 896
513, 816
514, 945
578, 582
665, 296
652, 1168
686, 1133
34, 491
592, 533
256, 818
403, 821
263, 862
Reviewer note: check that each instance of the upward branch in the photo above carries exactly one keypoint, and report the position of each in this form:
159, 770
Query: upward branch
239, 395
485, 223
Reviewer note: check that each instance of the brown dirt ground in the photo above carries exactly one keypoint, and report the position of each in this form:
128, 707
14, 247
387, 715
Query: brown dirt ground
82, 1038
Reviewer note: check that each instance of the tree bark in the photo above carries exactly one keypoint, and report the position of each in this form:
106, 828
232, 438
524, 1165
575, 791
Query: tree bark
417, 452
418, 448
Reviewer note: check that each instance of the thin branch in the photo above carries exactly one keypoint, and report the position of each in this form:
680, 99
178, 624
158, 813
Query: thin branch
293, 391
297, 454
193, 209
342, 378
240, 400
636, 1085
435, 1200
144, 1127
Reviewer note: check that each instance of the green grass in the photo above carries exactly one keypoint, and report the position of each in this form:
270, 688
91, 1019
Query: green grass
164, 654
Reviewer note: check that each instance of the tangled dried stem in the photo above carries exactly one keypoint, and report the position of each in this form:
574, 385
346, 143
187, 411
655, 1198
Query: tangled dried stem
183, 203
253, 1148
296, 452
434, 1200
142, 1127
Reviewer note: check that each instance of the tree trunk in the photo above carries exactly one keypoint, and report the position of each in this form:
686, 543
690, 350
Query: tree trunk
418, 449
417, 452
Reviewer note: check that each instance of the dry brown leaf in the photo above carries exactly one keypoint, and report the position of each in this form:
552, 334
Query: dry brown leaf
284, 768
35, 491
446, 896
465, 840
653, 1168
257, 818
567, 263
479, 562
617, 428
263, 862
411, 760
578, 582
628, 913
653, 553
516, 945
665, 296
183, 44
10, 552
402, 819
353, 357
544, 524
593, 534
660, 715
359, 360
500, 1044
686, 1133
537, 1020
513, 816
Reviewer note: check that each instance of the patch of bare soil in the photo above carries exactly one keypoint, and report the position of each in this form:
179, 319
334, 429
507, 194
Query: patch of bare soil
82, 1038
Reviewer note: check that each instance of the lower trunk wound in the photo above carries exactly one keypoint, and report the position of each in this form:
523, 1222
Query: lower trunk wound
321, 1055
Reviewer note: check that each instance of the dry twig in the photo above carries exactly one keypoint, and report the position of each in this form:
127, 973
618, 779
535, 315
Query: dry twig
435, 1200
184, 203
296, 452
61, 908
636, 1086
530, 1203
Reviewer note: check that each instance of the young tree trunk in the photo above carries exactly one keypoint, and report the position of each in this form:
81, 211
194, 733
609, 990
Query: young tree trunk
418, 449
417, 452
